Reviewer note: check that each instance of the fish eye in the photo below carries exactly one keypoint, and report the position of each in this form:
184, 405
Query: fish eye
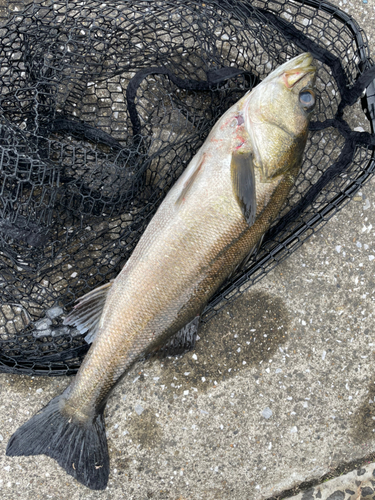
307, 100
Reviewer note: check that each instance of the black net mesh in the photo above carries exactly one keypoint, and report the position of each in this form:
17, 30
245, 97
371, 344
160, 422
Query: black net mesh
103, 105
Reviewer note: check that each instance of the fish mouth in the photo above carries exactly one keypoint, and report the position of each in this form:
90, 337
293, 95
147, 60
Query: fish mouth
304, 66
294, 70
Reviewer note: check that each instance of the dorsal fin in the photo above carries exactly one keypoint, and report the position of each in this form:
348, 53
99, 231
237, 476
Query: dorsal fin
187, 186
86, 314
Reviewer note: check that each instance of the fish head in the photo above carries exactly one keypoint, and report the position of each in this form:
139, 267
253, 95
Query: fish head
277, 115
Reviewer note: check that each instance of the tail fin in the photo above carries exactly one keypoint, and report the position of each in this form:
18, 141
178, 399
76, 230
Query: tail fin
81, 449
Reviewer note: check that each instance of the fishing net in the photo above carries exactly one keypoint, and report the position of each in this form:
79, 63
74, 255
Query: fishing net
102, 106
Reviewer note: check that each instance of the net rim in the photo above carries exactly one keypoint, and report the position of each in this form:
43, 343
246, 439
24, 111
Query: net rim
30, 367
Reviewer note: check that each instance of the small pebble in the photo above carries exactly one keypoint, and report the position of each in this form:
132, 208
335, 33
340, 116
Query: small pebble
138, 409
62, 330
267, 413
42, 333
43, 324
54, 312
367, 204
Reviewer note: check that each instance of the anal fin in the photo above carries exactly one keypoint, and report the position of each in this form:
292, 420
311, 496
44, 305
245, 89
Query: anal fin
181, 342
86, 314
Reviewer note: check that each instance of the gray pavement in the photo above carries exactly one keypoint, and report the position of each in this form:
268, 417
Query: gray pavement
280, 391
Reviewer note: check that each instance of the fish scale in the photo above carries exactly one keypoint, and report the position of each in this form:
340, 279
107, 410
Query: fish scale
208, 224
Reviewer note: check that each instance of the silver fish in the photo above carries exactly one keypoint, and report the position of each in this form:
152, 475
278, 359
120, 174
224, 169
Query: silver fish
208, 224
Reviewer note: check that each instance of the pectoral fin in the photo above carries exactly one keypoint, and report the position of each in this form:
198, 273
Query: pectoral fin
243, 182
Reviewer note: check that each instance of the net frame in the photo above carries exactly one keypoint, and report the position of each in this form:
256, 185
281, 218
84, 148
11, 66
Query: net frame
278, 245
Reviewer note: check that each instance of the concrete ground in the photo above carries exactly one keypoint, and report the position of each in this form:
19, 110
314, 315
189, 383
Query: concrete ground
279, 392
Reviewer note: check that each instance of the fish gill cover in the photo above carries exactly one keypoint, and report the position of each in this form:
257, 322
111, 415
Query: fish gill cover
103, 105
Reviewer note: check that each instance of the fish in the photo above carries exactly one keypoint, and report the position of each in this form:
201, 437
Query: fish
212, 219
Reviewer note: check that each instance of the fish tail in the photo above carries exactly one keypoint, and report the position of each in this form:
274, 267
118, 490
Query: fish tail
80, 448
